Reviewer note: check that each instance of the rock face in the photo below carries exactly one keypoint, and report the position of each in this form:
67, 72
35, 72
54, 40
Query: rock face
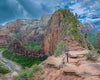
44, 20
57, 30
27, 31
54, 33
4, 39
86, 28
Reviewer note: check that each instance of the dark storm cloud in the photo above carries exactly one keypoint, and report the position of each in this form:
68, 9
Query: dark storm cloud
23, 9
10, 10
6, 12
33, 9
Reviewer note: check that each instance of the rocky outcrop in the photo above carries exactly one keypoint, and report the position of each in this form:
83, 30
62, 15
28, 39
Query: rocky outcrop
26, 30
44, 20
57, 30
72, 70
54, 33
17, 47
86, 28
4, 39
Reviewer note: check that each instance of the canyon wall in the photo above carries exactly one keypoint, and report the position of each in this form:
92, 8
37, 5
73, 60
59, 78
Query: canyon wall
25, 30
54, 33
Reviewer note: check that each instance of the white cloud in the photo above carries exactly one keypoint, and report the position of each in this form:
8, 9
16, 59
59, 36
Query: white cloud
77, 9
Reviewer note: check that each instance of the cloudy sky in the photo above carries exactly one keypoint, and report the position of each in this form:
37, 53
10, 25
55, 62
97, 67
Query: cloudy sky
10, 10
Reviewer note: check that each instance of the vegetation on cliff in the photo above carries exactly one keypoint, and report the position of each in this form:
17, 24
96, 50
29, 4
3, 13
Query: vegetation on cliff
59, 48
33, 46
72, 25
71, 28
93, 55
3, 47
92, 37
3, 68
24, 61
29, 73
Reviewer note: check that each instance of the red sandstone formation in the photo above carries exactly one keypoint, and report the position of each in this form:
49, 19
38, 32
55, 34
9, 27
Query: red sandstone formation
4, 39
15, 26
54, 33
17, 47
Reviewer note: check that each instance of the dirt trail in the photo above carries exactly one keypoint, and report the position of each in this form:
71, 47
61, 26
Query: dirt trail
78, 67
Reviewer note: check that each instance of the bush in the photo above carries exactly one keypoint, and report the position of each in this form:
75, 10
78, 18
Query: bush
89, 46
4, 70
93, 56
98, 51
28, 73
59, 49
36, 68
25, 75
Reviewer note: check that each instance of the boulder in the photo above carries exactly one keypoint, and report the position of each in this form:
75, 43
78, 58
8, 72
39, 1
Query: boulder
53, 62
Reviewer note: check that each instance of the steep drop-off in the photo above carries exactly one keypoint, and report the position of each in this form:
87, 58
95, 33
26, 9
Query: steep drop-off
62, 25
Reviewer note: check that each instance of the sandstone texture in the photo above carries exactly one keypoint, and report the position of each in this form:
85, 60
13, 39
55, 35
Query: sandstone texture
17, 47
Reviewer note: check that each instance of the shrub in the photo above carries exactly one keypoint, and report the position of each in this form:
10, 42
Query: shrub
59, 49
4, 70
36, 68
28, 72
93, 56
42, 72
98, 51
89, 46
25, 75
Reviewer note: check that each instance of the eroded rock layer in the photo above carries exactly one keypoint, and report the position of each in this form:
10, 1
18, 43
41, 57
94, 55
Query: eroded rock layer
17, 47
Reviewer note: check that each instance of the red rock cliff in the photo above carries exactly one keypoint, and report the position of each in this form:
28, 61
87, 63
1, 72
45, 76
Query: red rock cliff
63, 24
54, 33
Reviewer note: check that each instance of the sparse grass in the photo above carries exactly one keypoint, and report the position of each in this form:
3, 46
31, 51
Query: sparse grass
93, 56
22, 60
33, 46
